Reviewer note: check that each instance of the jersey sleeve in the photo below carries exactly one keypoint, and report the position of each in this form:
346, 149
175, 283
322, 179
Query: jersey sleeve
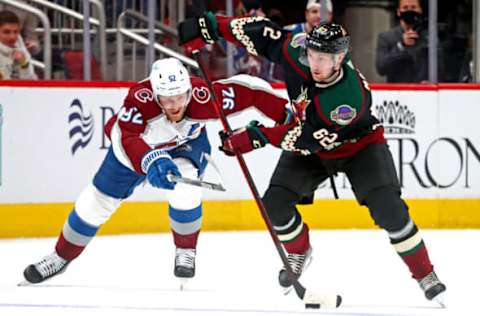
243, 91
125, 130
258, 35
236, 94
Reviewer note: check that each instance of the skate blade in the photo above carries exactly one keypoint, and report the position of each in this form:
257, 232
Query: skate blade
287, 290
183, 283
440, 300
24, 283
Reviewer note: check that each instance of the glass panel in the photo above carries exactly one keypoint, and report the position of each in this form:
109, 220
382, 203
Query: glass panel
390, 39
455, 40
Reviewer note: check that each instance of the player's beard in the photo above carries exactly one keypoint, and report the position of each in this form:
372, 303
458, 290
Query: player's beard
332, 75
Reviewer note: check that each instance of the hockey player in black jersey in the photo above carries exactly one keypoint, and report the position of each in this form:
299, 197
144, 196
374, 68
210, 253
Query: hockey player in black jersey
331, 130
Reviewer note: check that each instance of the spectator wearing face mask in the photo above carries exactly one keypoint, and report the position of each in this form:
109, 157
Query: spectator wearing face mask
402, 52
317, 12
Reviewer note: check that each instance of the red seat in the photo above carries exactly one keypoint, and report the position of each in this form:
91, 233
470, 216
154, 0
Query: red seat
74, 65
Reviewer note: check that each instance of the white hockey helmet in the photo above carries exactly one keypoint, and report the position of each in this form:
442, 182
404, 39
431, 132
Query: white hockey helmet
169, 77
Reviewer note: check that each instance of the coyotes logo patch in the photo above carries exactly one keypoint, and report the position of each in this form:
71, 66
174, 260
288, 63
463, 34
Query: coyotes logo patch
300, 104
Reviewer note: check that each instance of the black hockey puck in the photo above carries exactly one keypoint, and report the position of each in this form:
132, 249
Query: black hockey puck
312, 306
339, 300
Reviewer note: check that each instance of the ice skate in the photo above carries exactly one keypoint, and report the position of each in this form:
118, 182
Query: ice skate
299, 263
48, 267
434, 289
184, 265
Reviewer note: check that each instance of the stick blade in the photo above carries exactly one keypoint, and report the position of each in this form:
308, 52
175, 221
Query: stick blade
314, 300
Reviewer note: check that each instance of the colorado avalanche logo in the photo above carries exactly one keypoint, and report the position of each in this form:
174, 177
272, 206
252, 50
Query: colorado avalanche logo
201, 95
144, 95
81, 126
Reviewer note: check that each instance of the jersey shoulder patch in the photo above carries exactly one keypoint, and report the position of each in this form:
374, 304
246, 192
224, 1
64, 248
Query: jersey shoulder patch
200, 91
298, 40
141, 92
293, 52
140, 97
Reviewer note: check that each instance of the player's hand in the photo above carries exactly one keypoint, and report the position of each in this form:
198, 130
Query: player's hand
409, 37
243, 140
195, 33
159, 169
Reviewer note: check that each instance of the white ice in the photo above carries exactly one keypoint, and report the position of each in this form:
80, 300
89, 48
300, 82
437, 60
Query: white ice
237, 275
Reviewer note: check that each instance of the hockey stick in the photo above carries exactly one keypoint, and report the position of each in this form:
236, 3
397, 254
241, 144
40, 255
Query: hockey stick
311, 300
196, 182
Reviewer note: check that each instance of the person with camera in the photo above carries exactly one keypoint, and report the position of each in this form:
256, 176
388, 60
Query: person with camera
402, 52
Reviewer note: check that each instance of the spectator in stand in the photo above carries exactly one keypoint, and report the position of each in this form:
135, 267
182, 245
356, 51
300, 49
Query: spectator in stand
317, 12
14, 56
28, 23
402, 52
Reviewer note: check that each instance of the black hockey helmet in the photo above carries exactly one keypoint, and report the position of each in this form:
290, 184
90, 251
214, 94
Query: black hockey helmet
328, 38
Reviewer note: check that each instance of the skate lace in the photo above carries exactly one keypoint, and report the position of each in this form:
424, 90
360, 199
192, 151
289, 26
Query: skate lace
428, 281
185, 257
50, 265
296, 262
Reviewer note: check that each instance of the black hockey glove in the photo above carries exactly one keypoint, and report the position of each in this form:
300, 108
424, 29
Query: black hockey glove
195, 33
243, 140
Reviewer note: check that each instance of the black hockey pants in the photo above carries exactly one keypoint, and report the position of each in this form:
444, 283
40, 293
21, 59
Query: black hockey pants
371, 173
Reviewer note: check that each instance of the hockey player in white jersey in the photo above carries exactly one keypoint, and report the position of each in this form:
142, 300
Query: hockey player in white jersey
159, 131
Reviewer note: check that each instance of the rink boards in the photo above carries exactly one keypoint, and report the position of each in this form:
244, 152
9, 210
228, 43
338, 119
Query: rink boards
52, 142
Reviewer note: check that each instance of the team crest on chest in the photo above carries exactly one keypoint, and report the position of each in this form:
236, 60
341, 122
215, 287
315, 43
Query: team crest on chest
343, 114
201, 95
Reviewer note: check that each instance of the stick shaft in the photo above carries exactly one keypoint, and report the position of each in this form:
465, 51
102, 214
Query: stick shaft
251, 184
196, 182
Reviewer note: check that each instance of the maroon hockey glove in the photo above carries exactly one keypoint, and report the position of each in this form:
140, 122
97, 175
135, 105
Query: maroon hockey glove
244, 139
195, 33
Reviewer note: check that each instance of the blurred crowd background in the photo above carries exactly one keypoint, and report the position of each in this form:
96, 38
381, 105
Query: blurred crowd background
391, 40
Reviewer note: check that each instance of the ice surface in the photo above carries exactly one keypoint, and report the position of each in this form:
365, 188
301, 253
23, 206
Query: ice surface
237, 275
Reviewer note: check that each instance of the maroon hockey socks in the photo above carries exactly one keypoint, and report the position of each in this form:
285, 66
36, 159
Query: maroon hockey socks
185, 241
414, 253
75, 236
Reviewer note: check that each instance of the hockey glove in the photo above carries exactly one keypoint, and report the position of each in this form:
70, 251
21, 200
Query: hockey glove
244, 139
195, 33
158, 164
